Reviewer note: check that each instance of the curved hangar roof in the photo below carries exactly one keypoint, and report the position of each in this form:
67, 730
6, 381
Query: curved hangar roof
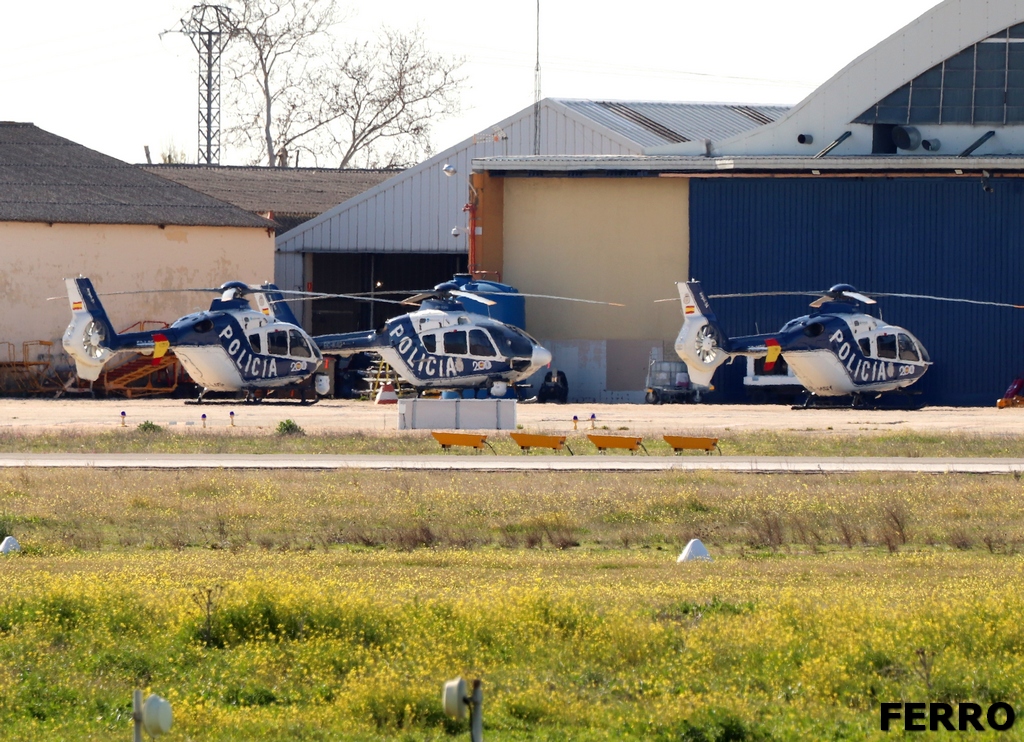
955, 74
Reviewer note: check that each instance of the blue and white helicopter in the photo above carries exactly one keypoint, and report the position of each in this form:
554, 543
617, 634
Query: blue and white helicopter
838, 350
232, 347
445, 345
229, 348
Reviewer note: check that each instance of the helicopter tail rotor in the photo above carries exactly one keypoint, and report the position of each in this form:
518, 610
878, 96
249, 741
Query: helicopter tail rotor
88, 337
700, 342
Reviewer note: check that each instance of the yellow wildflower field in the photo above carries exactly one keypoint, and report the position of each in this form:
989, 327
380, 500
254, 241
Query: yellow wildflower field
305, 605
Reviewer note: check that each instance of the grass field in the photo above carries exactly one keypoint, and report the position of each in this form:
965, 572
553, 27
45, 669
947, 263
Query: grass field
151, 438
314, 606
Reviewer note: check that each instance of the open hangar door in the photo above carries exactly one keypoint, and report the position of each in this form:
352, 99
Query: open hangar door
362, 273
943, 236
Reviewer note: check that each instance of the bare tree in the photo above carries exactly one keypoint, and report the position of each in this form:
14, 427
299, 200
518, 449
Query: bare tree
294, 88
390, 91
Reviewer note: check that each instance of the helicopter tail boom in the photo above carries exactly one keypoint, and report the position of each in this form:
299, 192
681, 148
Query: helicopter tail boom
89, 336
350, 343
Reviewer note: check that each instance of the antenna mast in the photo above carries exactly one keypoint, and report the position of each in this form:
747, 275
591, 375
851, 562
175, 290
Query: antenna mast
209, 28
536, 91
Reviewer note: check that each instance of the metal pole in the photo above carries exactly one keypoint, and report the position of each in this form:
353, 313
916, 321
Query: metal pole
536, 91
476, 721
373, 260
137, 715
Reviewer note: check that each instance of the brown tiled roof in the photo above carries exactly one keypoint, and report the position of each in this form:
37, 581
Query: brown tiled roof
46, 178
304, 192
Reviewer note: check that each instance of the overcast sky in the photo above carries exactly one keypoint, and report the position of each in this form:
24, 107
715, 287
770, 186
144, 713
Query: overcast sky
99, 72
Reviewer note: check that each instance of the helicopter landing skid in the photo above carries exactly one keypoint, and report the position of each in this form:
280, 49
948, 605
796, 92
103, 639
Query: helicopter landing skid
256, 397
894, 400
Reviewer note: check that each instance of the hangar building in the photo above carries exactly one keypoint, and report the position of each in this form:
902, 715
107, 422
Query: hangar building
410, 231
902, 173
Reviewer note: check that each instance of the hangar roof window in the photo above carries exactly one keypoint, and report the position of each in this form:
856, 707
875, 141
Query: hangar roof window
982, 84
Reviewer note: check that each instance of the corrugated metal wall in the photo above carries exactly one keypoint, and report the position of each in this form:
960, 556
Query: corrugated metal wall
940, 236
416, 210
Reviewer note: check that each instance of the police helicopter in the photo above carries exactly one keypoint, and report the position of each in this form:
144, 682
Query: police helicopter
231, 347
451, 341
837, 350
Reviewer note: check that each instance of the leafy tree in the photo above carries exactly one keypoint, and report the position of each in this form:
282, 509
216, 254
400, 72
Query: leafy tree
293, 87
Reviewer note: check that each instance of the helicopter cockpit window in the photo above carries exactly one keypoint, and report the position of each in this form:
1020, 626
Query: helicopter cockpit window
908, 351
511, 343
277, 343
430, 343
300, 349
886, 346
865, 346
480, 344
455, 343
256, 343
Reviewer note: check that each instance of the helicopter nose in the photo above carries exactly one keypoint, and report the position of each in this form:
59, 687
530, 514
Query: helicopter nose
541, 356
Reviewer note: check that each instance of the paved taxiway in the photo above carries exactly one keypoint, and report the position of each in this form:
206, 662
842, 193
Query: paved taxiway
77, 414
483, 462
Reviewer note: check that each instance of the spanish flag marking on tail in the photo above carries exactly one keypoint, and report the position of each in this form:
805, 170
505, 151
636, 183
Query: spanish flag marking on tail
76, 306
160, 347
690, 309
774, 351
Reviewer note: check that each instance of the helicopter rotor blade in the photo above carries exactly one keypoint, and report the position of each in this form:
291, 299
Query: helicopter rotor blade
417, 298
952, 300
474, 297
558, 298
865, 298
763, 293
859, 297
312, 296
217, 290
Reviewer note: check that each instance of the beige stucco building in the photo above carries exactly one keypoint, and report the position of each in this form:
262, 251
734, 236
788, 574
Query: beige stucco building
590, 238
67, 210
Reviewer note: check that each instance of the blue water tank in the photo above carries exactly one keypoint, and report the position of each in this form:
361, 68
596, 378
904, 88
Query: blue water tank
450, 394
509, 305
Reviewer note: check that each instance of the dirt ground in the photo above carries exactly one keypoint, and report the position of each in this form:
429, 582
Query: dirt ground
33, 415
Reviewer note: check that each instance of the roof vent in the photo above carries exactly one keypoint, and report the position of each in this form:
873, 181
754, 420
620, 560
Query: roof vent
648, 123
906, 137
753, 114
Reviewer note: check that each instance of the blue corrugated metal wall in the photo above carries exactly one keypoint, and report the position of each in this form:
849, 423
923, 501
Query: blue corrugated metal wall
939, 236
